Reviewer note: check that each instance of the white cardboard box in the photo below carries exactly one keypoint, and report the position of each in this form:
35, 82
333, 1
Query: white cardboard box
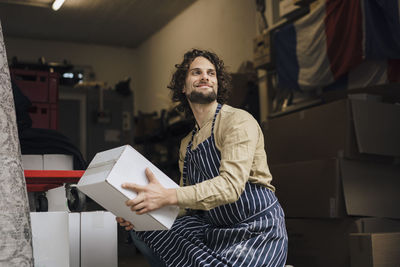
32, 162
57, 199
74, 229
99, 239
51, 233
58, 162
84, 239
48, 162
109, 170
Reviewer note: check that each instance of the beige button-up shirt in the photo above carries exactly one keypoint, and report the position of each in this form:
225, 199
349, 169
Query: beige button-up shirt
240, 140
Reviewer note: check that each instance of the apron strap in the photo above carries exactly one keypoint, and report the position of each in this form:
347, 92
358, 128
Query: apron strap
215, 116
189, 146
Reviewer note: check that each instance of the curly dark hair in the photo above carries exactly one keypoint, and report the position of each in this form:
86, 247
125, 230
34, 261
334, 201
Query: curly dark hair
179, 77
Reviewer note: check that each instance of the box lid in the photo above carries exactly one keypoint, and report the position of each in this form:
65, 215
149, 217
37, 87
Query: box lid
123, 171
101, 166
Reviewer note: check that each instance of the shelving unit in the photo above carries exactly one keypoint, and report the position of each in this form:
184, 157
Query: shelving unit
39, 181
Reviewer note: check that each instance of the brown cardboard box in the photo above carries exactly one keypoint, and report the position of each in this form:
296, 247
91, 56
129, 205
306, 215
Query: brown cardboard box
371, 188
352, 128
239, 90
310, 189
262, 50
375, 249
146, 124
377, 225
335, 188
319, 242
326, 242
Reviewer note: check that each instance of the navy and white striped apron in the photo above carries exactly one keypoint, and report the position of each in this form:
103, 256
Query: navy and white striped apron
248, 232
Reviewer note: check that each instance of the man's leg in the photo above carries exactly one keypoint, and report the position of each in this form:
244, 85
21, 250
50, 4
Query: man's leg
147, 252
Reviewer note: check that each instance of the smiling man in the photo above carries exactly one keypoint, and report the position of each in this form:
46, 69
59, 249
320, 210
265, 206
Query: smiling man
233, 217
201, 83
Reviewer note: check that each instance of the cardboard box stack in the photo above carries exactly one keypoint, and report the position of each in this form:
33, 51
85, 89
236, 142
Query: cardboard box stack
262, 51
48, 162
335, 173
375, 249
74, 239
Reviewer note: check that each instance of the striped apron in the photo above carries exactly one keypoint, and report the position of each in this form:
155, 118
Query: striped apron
248, 232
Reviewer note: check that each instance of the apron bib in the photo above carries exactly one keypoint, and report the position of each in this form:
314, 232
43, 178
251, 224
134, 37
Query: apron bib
248, 232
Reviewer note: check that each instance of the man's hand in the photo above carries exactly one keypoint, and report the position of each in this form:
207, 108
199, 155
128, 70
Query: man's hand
127, 224
150, 197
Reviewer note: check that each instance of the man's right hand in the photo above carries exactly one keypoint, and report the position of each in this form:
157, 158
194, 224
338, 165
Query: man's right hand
127, 224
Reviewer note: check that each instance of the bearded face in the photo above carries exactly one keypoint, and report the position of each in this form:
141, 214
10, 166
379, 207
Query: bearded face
202, 98
201, 85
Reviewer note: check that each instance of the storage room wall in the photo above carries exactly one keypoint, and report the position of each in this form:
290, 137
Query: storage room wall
226, 27
110, 64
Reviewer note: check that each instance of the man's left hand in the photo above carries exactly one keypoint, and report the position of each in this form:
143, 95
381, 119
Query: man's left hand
150, 197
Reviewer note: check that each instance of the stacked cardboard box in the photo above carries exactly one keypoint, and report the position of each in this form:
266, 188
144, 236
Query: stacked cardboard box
74, 239
48, 162
333, 166
375, 249
262, 51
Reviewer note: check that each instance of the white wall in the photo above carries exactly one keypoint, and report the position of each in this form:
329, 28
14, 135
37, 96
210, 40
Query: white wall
226, 27
110, 64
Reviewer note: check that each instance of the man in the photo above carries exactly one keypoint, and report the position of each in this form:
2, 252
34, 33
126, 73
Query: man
234, 218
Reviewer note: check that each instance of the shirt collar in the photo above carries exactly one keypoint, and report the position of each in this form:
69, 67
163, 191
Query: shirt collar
209, 118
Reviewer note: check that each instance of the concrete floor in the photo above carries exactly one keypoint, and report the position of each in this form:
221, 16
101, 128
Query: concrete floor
128, 255
133, 261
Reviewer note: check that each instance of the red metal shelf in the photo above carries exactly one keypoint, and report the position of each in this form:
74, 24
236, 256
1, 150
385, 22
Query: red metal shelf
38, 180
